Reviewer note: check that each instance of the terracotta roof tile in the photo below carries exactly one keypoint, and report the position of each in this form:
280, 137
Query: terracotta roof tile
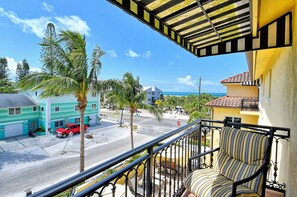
226, 101
243, 77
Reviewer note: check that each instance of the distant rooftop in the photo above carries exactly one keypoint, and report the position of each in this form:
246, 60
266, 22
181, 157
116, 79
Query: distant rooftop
15, 100
153, 88
226, 101
240, 78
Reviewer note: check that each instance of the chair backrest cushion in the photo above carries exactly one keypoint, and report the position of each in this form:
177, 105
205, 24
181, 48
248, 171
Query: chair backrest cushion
241, 154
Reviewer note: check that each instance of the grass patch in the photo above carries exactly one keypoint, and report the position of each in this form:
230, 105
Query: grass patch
203, 143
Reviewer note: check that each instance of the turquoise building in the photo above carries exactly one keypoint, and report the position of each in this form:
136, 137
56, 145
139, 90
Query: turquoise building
22, 112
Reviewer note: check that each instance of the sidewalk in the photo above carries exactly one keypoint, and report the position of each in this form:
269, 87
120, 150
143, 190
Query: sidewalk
20, 151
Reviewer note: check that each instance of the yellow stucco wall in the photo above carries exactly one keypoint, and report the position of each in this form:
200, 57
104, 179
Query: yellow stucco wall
280, 107
220, 113
246, 91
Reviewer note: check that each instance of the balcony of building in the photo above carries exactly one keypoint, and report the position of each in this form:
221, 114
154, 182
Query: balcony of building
249, 106
159, 167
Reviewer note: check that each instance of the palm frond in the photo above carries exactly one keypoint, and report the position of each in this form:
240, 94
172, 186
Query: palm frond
153, 110
96, 64
32, 80
57, 86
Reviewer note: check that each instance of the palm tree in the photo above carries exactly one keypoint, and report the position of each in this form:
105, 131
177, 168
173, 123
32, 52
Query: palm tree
131, 93
67, 72
116, 97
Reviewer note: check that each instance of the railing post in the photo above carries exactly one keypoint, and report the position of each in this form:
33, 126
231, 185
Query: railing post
225, 122
242, 107
199, 144
149, 175
275, 162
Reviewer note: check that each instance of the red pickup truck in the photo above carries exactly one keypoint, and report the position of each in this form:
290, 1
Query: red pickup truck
74, 128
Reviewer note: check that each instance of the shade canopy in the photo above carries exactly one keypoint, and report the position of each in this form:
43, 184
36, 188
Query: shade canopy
209, 27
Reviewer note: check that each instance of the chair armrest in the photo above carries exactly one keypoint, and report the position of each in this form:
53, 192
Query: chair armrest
239, 182
205, 153
200, 155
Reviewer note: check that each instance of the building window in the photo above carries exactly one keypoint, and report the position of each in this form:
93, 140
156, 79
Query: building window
94, 94
233, 119
14, 111
57, 108
153, 93
76, 108
34, 108
148, 92
149, 99
42, 108
59, 123
11, 111
77, 120
94, 106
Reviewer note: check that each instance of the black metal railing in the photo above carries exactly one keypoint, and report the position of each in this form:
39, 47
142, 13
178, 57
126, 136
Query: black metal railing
250, 104
156, 168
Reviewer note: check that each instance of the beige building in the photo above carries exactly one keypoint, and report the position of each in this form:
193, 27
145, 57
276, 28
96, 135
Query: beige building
241, 102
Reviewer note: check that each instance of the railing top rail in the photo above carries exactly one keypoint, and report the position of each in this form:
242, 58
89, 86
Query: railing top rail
285, 131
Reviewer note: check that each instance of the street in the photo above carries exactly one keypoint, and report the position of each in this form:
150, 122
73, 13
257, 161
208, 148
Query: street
51, 170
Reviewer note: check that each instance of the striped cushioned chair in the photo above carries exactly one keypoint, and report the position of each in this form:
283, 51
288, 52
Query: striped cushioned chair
241, 155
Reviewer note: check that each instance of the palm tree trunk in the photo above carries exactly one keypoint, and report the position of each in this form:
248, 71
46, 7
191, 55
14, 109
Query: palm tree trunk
131, 129
82, 142
121, 121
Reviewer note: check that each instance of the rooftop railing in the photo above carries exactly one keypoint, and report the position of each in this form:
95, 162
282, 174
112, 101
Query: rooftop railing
250, 104
158, 167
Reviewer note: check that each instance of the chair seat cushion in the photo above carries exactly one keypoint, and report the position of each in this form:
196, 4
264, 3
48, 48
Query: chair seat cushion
209, 183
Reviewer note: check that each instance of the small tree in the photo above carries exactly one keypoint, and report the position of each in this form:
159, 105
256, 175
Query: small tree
130, 91
7, 86
4, 70
22, 70
48, 49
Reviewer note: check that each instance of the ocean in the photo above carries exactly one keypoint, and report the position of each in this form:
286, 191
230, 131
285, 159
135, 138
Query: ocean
191, 93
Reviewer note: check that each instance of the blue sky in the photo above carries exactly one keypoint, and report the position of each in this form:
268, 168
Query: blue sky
130, 46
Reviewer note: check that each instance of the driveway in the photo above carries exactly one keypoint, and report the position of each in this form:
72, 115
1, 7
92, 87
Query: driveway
20, 151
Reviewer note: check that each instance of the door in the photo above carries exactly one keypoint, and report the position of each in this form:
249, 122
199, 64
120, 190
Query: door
92, 119
13, 130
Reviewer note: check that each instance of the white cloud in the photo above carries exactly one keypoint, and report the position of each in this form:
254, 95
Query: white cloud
35, 69
209, 83
74, 23
186, 81
132, 54
38, 25
147, 54
47, 7
12, 64
112, 53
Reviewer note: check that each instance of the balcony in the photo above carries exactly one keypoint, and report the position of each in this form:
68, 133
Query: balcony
249, 106
159, 167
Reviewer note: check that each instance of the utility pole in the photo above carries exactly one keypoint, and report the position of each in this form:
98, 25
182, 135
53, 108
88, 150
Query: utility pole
199, 94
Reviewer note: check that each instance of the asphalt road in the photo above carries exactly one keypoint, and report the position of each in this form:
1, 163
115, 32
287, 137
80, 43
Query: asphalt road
149, 125
43, 174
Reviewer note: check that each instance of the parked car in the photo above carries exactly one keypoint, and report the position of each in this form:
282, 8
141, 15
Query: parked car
74, 128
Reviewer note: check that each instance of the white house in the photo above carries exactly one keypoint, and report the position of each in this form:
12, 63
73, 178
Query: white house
152, 94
